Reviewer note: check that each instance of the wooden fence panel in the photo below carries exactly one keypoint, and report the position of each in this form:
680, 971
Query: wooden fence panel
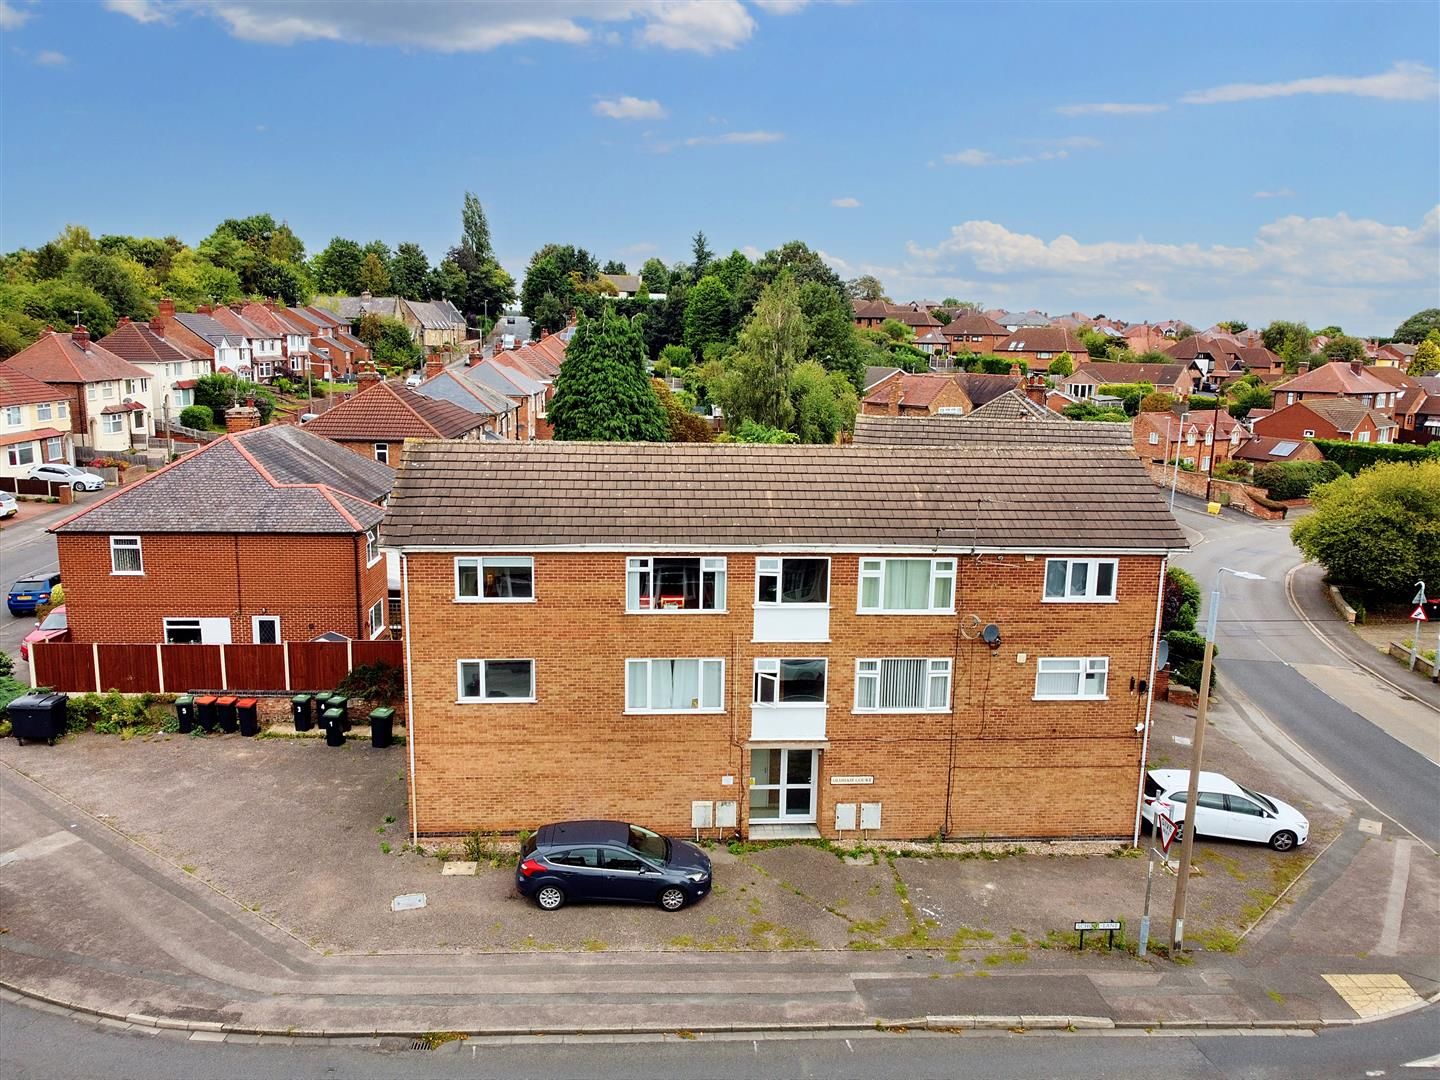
190, 667
379, 652
255, 667
131, 669
64, 666
317, 665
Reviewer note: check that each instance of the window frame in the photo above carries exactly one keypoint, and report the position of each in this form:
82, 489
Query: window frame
479, 562
165, 626
118, 421
381, 450
373, 553
461, 699
647, 710
14, 454
255, 623
709, 564
770, 667
14, 415
779, 574
1088, 665
936, 667
1092, 576
137, 547
936, 563
375, 619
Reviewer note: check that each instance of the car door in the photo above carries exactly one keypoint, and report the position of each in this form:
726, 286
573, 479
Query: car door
1210, 816
1247, 819
579, 872
627, 876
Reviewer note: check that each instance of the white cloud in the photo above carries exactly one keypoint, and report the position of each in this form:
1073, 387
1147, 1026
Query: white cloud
733, 137
848, 202
781, 7
751, 252
630, 108
1278, 193
12, 17
981, 158
444, 26
1111, 108
1405, 81
51, 58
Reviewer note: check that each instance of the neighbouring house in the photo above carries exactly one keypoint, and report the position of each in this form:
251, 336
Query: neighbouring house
173, 366
529, 393
1217, 359
936, 346
628, 286
1268, 449
262, 536
871, 313
787, 667
1338, 380
1417, 410
500, 415
435, 324
229, 351
380, 417
294, 336
1143, 338
1207, 434
1396, 354
109, 397
972, 332
1022, 320
1089, 376
1328, 418
982, 388
267, 345
34, 423
874, 375
1038, 345
904, 394
1012, 420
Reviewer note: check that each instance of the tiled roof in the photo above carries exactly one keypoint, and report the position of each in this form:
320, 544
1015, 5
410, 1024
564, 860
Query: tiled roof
18, 388
1106, 373
874, 375
639, 496
351, 308
222, 488
272, 322
624, 282
1336, 378
137, 343
293, 455
504, 379
973, 323
385, 413
1010, 405
478, 399
980, 387
238, 324
934, 431
30, 436
1269, 448
1345, 413
122, 407
1051, 339
916, 391
59, 358
432, 316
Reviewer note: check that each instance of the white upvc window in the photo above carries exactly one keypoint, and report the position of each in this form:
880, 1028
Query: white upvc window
907, 586
64, 410
55, 448
107, 390
897, 684
1309, 433
112, 423
1190, 438
663, 583
666, 685
1205, 463
1290, 399
14, 416
372, 545
1080, 580
790, 682
1154, 438
377, 618
496, 579
21, 454
510, 682
382, 453
792, 581
92, 391
125, 556
1070, 678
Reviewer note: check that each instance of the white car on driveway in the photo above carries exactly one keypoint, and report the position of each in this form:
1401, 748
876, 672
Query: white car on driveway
8, 505
1224, 809
69, 475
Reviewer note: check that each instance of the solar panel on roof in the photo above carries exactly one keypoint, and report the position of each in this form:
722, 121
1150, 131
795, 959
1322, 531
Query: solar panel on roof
1285, 449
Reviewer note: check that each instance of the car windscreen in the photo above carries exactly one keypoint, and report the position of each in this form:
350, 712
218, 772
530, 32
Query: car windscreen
645, 842
1261, 799
56, 620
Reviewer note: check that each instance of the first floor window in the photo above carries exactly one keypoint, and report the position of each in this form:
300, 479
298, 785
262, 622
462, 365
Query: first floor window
377, 618
1154, 438
671, 584
112, 423
664, 685
792, 581
497, 680
64, 410
1080, 579
125, 555
1060, 677
896, 685
372, 545
23, 454
495, 577
13, 417
789, 682
900, 585
382, 453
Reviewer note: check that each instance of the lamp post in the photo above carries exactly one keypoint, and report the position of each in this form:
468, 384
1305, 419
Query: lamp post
1187, 838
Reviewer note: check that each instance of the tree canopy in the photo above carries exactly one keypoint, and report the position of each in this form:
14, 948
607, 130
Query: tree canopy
1414, 329
603, 392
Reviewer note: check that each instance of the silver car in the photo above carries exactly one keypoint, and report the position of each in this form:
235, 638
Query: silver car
76, 478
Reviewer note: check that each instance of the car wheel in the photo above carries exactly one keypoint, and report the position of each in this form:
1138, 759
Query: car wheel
78, 485
550, 897
1283, 840
672, 899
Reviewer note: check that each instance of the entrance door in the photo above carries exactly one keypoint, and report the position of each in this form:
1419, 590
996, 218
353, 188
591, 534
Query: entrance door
782, 785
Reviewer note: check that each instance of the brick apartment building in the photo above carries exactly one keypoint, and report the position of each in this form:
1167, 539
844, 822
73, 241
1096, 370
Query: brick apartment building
263, 536
783, 637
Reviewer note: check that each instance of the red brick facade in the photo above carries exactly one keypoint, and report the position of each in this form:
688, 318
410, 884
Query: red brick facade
314, 583
1017, 767
1299, 421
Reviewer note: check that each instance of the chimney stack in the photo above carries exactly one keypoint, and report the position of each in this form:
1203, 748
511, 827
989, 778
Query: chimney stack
366, 376
434, 365
1356, 365
242, 417
124, 320
80, 336
1304, 367
474, 358
544, 333
166, 308
202, 309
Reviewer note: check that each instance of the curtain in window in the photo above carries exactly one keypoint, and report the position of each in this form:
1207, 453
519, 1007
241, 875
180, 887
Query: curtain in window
939, 688
1058, 677
907, 584
1055, 572
902, 684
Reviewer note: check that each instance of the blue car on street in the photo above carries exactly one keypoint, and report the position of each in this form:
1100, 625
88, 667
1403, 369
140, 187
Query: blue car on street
29, 593
610, 860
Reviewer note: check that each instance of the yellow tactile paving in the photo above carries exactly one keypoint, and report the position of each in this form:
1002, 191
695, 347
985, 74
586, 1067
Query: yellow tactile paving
1373, 995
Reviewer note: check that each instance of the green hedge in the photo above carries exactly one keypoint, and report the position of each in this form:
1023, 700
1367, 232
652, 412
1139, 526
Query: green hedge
1187, 657
1352, 457
1294, 479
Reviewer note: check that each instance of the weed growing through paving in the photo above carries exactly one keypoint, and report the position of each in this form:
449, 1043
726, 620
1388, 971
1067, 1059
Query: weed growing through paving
1275, 996
435, 1039
389, 819
384, 848
481, 847
595, 945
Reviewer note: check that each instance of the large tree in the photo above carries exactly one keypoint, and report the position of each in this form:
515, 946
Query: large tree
709, 315
603, 392
374, 276
1426, 360
121, 281
654, 277
410, 272
1413, 330
337, 267
1344, 348
700, 255
475, 229
756, 385
832, 339
866, 287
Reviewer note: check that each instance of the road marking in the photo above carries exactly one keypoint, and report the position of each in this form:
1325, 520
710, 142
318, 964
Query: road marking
38, 848
1395, 901
1424, 1063
1372, 995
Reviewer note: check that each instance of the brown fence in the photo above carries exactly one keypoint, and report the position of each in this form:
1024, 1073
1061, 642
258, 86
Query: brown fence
75, 667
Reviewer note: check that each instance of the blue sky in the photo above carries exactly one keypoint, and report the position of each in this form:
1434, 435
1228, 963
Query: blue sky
1200, 161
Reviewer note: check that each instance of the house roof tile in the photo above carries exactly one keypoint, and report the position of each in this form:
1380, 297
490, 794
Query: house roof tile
1050, 339
386, 413
137, 343
973, 322
59, 358
18, 388
1336, 378
934, 431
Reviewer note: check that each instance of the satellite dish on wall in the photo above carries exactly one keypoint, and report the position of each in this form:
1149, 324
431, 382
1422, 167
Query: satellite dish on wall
990, 635
1162, 655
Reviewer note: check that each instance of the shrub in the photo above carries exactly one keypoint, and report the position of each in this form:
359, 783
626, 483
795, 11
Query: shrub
1268, 504
1352, 457
1187, 657
1159, 401
380, 682
1294, 479
114, 713
7, 665
1130, 394
197, 416
1181, 603
1233, 470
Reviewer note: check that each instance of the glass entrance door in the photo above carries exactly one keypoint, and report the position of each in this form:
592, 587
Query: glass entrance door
782, 785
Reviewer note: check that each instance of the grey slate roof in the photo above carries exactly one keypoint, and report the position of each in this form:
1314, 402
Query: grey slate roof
293, 455
430, 316
448, 386
1013, 405
981, 387
873, 375
1039, 497
504, 379
935, 431
219, 489
209, 329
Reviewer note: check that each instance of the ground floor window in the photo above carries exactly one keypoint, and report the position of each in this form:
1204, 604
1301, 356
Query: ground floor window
1062, 677
112, 423
497, 680
377, 618
22, 454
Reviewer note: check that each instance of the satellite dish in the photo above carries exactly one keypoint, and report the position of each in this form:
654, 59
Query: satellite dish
990, 635
969, 625
1162, 655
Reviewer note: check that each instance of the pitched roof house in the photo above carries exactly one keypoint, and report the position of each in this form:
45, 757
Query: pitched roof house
1038, 345
500, 414
435, 324
380, 417
973, 332
34, 423
1267, 449
984, 427
173, 366
1177, 379
1329, 418
229, 350
1335, 380
1162, 436
904, 394
737, 620
189, 553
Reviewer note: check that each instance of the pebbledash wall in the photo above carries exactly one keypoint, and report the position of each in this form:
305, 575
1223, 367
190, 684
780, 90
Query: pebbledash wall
315, 583
997, 763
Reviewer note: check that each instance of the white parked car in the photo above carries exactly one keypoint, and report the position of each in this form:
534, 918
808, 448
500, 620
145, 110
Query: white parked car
78, 479
8, 505
1224, 809
414, 379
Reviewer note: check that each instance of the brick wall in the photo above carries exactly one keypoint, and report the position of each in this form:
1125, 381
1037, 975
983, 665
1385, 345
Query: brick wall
1020, 767
309, 581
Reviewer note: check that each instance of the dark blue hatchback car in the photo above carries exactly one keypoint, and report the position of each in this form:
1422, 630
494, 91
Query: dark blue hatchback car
610, 860
27, 594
